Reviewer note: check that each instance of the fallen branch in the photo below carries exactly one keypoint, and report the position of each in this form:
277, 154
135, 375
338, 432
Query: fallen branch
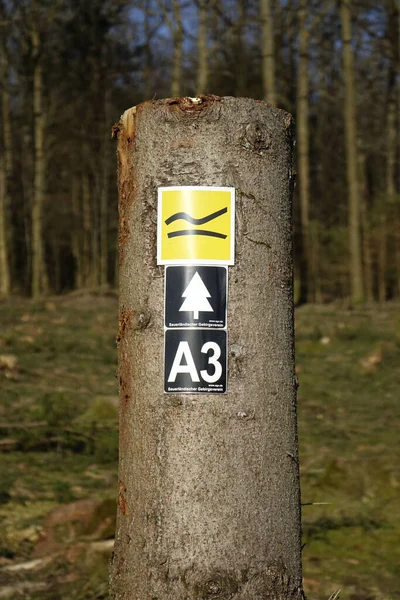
23, 588
37, 563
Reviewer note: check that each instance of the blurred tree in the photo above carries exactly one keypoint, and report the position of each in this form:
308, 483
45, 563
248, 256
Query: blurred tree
268, 52
356, 277
173, 19
307, 277
202, 69
6, 161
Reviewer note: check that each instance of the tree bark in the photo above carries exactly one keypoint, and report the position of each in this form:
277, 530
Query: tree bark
208, 498
268, 51
356, 278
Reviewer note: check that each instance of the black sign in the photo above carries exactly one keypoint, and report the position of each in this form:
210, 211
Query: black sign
195, 297
195, 361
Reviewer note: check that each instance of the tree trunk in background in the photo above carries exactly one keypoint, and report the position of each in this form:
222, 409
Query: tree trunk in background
397, 232
5, 282
391, 171
367, 253
366, 229
26, 186
268, 52
356, 279
39, 274
202, 69
76, 233
95, 242
104, 190
176, 80
315, 254
87, 262
147, 71
209, 485
103, 275
303, 154
240, 67
5, 177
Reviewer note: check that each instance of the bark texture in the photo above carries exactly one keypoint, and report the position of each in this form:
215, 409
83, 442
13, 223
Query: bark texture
208, 499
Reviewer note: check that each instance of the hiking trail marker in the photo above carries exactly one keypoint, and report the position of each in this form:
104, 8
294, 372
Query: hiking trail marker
195, 361
196, 225
196, 296
195, 239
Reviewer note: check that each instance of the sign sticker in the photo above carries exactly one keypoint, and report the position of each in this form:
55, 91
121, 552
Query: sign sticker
196, 296
196, 225
195, 361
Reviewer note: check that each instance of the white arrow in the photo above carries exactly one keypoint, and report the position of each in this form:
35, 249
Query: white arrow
196, 295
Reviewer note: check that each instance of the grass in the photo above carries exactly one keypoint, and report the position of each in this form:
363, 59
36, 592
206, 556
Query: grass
63, 379
349, 452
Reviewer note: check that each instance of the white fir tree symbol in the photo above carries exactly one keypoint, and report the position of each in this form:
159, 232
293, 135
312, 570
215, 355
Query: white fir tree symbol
196, 295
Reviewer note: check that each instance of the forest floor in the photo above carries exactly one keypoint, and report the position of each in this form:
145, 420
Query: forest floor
58, 445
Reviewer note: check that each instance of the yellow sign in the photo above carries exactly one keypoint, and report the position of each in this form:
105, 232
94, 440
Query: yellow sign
196, 225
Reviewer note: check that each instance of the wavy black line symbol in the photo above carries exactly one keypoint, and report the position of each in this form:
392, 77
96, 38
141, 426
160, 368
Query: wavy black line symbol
193, 221
197, 232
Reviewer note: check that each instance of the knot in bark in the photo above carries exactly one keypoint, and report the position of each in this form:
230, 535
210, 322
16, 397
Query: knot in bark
257, 137
218, 586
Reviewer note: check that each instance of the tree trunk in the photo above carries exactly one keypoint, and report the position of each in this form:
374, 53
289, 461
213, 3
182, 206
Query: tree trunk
76, 233
303, 154
5, 177
5, 283
391, 174
366, 228
95, 242
268, 51
26, 186
240, 67
202, 69
356, 279
148, 54
176, 79
397, 234
39, 273
209, 485
315, 256
87, 259
104, 196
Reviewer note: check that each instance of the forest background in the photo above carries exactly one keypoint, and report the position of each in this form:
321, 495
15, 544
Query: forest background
68, 70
